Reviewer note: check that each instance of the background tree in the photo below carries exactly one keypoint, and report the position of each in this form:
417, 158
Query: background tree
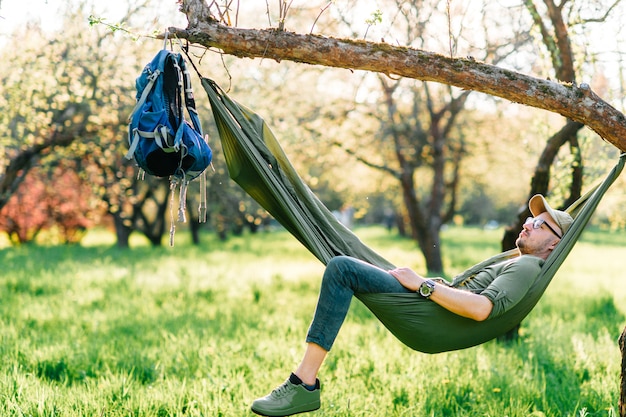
22, 218
298, 121
43, 108
424, 122
553, 32
51, 198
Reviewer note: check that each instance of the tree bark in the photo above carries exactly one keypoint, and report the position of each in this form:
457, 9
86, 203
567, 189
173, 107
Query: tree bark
122, 231
578, 103
622, 397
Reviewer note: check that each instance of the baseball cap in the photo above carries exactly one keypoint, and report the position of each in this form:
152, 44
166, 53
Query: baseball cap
538, 205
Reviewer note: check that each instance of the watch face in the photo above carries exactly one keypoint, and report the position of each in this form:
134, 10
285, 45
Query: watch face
427, 288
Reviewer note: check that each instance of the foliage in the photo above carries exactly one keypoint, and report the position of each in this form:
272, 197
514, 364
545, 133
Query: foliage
80, 80
202, 331
45, 103
57, 198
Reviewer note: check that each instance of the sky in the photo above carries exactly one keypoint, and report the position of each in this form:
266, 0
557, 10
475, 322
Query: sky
15, 12
48, 13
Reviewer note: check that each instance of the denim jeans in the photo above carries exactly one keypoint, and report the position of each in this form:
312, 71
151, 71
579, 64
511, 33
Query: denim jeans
344, 277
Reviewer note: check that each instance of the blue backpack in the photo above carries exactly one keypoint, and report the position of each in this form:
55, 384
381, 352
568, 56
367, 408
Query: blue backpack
161, 140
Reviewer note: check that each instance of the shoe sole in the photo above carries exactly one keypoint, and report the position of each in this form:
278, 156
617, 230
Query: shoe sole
315, 406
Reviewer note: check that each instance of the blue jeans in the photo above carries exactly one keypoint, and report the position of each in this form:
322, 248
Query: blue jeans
344, 277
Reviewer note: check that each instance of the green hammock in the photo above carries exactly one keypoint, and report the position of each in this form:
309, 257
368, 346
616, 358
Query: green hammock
258, 164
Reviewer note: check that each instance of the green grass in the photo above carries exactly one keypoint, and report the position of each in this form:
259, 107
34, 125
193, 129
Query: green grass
202, 331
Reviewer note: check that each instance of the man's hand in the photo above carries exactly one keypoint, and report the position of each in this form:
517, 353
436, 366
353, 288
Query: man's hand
408, 278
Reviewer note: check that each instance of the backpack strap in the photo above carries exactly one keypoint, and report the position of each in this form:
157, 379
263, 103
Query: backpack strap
144, 94
190, 104
190, 101
133, 139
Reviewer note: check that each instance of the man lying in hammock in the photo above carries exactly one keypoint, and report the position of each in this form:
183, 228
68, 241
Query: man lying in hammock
489, 294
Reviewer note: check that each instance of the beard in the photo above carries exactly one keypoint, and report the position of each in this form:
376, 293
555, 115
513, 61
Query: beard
521, 245
528, 246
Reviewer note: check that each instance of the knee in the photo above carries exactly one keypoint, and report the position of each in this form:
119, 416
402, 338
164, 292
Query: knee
337, 268
338, 264
339, 260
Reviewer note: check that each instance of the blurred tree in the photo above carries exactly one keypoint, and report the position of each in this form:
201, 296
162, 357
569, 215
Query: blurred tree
22, 217
43, 105
78, 91
53, 197
408, 129
554, 22
554, 34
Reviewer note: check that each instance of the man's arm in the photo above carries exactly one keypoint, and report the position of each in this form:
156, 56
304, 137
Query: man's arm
464, 303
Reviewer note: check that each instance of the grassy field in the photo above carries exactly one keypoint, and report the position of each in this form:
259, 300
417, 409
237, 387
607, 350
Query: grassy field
202, 331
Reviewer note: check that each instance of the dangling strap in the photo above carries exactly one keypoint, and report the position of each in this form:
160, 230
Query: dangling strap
165, 35
182, 202
202, 209
173, 183
202, 206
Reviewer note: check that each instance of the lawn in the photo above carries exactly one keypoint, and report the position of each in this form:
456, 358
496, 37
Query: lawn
93, 330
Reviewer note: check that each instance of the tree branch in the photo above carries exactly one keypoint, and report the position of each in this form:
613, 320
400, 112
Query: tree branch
578, 103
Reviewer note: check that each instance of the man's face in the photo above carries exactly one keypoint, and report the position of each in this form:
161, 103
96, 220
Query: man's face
536, 241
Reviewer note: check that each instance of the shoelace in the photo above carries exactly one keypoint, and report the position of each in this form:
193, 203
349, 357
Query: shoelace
282, 390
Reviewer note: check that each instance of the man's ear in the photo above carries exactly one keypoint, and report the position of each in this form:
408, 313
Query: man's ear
554, 243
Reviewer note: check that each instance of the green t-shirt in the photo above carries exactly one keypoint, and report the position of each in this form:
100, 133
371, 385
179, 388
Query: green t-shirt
505, 283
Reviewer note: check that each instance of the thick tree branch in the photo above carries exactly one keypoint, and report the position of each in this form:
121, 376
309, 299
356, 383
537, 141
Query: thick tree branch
578, 103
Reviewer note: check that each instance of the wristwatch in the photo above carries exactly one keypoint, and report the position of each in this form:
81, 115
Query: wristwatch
427, 288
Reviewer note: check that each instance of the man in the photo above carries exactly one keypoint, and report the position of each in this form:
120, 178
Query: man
489, 294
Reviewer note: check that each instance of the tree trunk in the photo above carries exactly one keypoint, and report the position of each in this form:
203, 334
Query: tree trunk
151, 206
622, 397
540, 181
122, 232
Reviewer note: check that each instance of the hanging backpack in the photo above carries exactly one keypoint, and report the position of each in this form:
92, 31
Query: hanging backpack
161, 140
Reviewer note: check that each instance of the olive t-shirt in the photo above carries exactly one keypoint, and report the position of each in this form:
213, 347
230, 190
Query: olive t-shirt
505, 283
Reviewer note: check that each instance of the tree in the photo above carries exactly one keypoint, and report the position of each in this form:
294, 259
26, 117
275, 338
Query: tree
50, 198
426, 123
554, 34
35, 121
560, 52
71, 92
23, 217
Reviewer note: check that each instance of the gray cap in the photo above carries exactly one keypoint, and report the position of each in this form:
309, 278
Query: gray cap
538, 205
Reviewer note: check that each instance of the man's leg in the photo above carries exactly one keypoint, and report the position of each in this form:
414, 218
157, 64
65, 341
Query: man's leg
343, 277
311, 362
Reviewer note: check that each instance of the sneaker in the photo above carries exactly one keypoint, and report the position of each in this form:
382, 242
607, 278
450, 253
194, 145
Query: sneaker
292, 397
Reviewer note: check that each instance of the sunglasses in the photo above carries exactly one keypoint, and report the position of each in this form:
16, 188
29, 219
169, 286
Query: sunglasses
537, 223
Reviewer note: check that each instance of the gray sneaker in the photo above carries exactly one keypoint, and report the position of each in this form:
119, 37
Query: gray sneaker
289, 398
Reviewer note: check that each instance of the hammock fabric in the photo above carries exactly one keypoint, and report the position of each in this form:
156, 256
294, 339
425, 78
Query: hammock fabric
258, 164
